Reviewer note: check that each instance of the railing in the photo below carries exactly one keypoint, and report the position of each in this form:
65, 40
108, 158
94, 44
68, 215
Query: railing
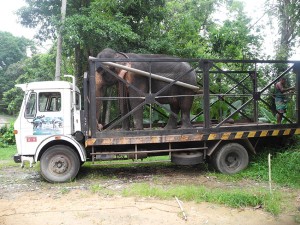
233, 93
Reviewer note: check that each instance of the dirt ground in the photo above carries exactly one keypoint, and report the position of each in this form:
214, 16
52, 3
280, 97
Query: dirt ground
25, 198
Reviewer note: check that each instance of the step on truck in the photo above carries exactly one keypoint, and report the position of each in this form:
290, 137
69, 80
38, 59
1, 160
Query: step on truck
231, 115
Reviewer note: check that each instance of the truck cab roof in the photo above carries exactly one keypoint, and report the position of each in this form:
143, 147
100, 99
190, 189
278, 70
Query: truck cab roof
46, 85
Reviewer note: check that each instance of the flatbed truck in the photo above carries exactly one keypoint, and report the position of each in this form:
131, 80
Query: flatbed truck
54, 128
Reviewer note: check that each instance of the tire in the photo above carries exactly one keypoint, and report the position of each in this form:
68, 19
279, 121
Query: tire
59, 164
187, 158
231, 158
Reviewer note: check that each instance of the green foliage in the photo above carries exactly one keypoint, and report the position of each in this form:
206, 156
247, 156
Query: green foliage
13, 100
233, 38
267, 116
42, 14
221, 109
93, 30
7, 136
12, 49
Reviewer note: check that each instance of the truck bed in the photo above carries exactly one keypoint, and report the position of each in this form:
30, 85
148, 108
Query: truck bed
198, 133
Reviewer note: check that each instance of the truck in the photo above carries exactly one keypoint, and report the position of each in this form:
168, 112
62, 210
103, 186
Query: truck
231, 116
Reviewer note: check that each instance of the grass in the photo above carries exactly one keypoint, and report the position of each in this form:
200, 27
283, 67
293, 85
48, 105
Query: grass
6, 156
285, 168
236, 198
7, 153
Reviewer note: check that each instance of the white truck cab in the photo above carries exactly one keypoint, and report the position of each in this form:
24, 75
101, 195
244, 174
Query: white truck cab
46, 126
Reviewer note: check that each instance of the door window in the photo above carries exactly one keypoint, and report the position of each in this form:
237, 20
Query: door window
49, 101
30, 111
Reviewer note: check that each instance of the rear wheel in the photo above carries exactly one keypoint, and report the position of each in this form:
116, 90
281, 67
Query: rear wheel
231, 158
59, 164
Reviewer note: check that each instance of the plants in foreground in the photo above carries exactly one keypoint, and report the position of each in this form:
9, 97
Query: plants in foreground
237, 198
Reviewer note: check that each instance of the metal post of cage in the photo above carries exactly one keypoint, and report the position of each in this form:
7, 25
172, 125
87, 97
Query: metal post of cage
92, 94
296, 69
255, 96
206, 65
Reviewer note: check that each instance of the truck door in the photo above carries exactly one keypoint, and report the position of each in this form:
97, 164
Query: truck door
42, 118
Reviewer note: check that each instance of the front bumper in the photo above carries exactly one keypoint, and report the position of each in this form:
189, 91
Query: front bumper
17, 158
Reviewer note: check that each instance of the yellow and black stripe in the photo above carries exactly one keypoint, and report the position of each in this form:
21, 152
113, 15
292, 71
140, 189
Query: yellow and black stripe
154, 139
252, 134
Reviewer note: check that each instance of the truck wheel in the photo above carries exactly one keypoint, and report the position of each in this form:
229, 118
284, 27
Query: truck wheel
59, 164
231, 158
187, 158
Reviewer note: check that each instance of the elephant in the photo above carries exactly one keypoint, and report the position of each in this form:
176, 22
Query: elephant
169, 69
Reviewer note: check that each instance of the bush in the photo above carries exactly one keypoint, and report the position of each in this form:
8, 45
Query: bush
7, 136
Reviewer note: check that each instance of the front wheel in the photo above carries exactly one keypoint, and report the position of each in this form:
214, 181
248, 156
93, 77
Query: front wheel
231, 158
59, 164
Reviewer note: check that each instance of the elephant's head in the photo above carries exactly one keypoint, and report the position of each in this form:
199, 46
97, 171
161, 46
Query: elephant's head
104, 78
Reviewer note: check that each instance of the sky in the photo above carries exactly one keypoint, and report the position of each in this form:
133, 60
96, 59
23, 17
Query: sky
9, 23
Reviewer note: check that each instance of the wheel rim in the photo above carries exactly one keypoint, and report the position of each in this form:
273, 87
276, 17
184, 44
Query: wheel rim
232, 160
59, 165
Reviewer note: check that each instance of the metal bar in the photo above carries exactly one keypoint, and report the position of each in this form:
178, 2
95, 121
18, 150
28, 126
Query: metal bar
190, 60
132, 162
227, 71
152, 75
92, 106
297, 71
86, 105
152, 151
206, 65
255, 102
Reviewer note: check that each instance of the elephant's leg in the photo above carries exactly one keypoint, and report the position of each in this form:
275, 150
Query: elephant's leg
185, 106
138, 119
124, 105
100, 90
136, 100
138, 114
172, 122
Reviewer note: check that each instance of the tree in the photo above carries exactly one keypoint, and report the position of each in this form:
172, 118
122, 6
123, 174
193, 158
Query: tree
12, 50
183, 24
233, 39
288, 17
37, 68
